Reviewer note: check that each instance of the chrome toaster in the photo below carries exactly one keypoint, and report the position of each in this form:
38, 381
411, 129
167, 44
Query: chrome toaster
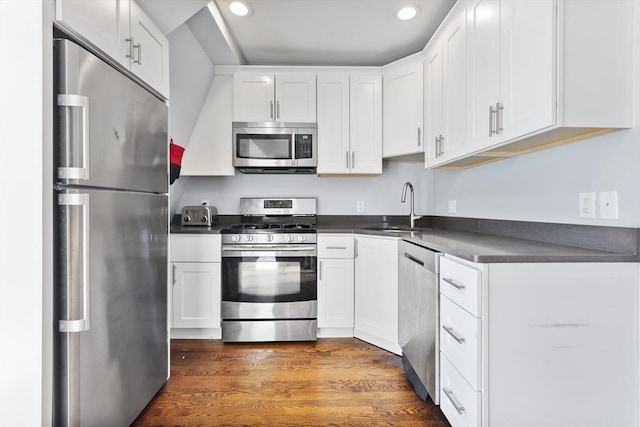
199, 215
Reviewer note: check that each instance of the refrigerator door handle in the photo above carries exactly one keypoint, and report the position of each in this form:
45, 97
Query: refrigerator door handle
83, 323
74, 172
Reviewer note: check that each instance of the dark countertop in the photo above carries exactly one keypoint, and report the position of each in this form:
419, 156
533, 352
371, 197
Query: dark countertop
486, 247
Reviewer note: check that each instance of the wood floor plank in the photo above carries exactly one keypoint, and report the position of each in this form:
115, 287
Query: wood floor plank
331, 382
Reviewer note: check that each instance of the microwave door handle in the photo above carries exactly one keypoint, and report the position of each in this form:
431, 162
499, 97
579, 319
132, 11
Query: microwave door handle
293, 148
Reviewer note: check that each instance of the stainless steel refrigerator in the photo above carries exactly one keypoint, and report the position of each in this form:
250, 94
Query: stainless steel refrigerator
111, 234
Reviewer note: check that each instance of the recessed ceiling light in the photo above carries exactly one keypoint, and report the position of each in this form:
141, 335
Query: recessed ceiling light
239, 8
407, 12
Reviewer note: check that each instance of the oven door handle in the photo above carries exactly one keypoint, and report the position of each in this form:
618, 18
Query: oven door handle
266, 251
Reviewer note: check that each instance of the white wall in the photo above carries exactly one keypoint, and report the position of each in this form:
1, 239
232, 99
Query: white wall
190, 75
336, 196
21, 247
544, 186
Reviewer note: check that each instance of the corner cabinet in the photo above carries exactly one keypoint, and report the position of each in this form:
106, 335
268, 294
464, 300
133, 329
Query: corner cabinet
536, 73
403, 107
210, 148
376, 291
558, 336
283, 97
335, 285
195, 262
122, 31
349, 124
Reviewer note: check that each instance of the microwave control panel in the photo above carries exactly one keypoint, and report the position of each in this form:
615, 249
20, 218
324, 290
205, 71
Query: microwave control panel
304, 146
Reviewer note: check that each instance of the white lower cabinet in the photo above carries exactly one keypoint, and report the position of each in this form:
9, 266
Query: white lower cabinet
335, 285
538, 344
196, 295
376, 291
195, 285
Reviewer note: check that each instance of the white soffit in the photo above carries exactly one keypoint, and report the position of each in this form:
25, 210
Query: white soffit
170, 14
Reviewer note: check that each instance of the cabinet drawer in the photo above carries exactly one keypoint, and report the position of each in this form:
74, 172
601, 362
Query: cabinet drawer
460, 340
335, 246
459, 402
462, 284
195, 247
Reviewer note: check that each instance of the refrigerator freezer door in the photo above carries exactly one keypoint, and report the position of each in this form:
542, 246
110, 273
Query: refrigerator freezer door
113, 355
110, 132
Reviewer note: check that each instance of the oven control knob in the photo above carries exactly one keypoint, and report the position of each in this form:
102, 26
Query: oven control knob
248, 238
301, 238
289, 238
235, 238
186, 218
203, 218
269, 237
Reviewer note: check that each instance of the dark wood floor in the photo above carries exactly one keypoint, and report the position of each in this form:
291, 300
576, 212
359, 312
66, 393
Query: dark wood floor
332, 382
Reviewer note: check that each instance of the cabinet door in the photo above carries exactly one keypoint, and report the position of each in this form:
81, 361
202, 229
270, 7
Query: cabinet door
333, 123
104, 23
433, 90
210, 148
402, 107
253, 97
376, 292
484, 70
527, 67
150, 51
365, 133
196, 295
454, 56
335, 293
295, 98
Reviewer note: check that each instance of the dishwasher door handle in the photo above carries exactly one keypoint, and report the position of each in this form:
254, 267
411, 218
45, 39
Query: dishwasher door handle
414, 259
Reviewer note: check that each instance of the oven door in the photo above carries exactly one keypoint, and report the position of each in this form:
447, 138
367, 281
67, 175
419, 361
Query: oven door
263, 274
263, 147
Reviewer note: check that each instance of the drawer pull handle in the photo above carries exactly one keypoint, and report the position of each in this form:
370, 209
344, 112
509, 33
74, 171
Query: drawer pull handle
454, 284
455, 336
414, 259
453, 401
337, 247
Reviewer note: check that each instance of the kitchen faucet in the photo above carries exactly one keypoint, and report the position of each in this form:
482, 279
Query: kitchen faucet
412, 214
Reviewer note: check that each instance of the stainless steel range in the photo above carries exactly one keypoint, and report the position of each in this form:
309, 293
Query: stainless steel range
269, 272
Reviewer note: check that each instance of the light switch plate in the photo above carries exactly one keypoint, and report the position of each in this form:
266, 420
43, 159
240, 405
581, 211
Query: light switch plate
608, 206
360, 206
451, 207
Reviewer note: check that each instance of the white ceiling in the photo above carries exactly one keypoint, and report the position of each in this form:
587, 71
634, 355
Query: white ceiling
304, 32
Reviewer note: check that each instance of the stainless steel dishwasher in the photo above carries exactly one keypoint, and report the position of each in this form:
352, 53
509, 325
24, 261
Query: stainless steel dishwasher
419, 313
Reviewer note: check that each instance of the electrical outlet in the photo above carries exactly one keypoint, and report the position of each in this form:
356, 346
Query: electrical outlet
360, 206
205, 202
451, 207
608, 206
587, 205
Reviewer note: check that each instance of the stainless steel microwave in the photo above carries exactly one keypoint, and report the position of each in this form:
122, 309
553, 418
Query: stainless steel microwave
275, 147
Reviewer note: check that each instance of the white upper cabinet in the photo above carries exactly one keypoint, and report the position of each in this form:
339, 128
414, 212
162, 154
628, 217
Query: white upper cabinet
285, 97
403, 107
104, 23
349, 124
445, 88
124, 33
512, 69
535, 73
333, 124
365, 133
150, 53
